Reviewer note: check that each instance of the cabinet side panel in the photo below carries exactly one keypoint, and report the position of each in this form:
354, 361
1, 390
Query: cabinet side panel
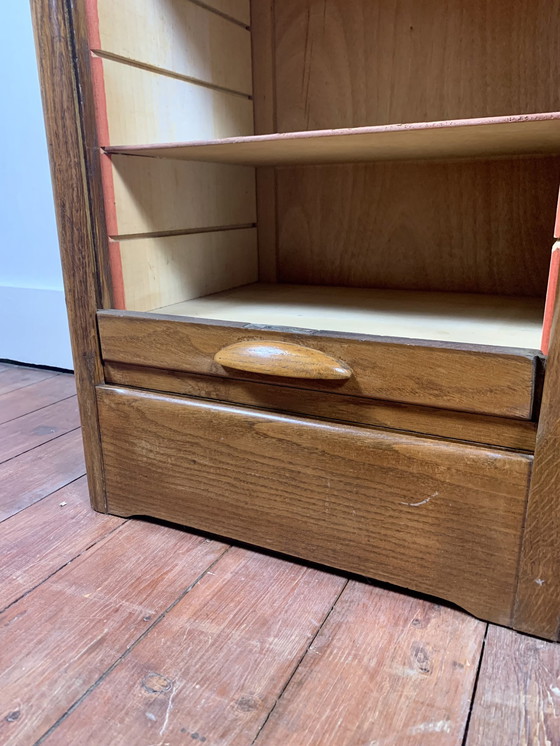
64, 109
537, 609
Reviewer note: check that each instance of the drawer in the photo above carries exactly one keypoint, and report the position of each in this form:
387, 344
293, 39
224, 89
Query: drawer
439, 517
485, 380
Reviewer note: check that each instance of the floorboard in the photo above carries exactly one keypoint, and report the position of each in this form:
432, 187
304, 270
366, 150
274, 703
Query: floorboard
385, 669
30, 398
38, 541
80, 621
35, 428
518, 694
230, 647
134, 633
33, 475
15, 378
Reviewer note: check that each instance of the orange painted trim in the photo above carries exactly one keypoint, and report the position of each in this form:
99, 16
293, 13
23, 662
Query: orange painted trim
102, 126
551, 293
92, 24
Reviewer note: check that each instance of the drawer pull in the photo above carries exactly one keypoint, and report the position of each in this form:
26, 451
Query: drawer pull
282, 359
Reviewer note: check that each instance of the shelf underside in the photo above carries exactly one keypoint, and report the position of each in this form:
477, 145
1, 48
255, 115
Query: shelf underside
530, 134
502, 321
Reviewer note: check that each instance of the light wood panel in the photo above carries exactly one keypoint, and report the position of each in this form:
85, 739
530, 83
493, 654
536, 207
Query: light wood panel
174, 268
78, 623
350, 64
30, 477
370, 502
236, 639
145, 106
501, 321
155, 195
520, 135
177, 36
428, 374
517, 697
518, 435
35, 428
384, 669
238, 9
481, 227
43, 538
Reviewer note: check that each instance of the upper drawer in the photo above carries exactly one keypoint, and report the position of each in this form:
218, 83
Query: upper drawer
496, 381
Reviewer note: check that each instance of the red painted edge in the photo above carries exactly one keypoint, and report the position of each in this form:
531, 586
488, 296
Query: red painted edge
102, 125
92, 23
557, 226
551, 293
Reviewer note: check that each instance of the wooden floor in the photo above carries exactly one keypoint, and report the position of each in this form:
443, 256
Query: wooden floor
134, 633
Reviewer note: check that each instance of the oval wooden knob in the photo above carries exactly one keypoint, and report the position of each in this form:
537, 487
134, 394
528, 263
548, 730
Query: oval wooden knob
282, 359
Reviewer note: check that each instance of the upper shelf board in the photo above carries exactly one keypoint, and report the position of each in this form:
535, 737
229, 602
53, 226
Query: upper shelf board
528, 134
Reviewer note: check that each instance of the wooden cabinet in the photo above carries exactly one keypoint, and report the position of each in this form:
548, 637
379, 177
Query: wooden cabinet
307, 250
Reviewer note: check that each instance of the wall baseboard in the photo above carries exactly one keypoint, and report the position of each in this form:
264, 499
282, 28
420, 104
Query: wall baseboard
34, 327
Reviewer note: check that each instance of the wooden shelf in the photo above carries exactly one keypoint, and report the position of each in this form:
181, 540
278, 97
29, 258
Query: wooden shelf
495, 136
495, 320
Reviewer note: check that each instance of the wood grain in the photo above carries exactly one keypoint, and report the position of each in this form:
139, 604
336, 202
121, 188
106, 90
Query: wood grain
464, 318
189, 346
237, 638
264, 105
35, 396
113, 601
172, 269
486, 137
156, 195
32, 476
406, 677
178, 37
14, 378
34, 429
431, 61
517, 695
61, 50
370, 502
146, 106
282, 359
236, 9
517, 435
40, 540
538, 597
478, 227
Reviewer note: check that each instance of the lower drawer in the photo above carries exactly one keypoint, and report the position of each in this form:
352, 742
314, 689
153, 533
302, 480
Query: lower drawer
438, 517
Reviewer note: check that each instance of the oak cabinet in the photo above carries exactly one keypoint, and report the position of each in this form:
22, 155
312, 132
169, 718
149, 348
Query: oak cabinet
307, 253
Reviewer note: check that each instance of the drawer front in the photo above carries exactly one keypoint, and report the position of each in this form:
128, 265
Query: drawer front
485, 381
437, 517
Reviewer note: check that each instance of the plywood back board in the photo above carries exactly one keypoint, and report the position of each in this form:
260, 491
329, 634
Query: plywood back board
355, 63
470, 226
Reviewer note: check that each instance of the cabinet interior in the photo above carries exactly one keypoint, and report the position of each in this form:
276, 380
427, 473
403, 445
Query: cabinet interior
383, 167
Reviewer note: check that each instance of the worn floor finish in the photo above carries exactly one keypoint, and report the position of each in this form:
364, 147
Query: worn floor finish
129, 632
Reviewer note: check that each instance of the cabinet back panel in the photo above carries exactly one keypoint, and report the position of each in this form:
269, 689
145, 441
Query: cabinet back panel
481, 227
350, 63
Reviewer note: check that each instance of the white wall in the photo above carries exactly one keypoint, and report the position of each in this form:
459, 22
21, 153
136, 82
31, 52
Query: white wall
33, 325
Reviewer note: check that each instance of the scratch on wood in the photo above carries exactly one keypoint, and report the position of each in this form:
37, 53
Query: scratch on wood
422, 502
